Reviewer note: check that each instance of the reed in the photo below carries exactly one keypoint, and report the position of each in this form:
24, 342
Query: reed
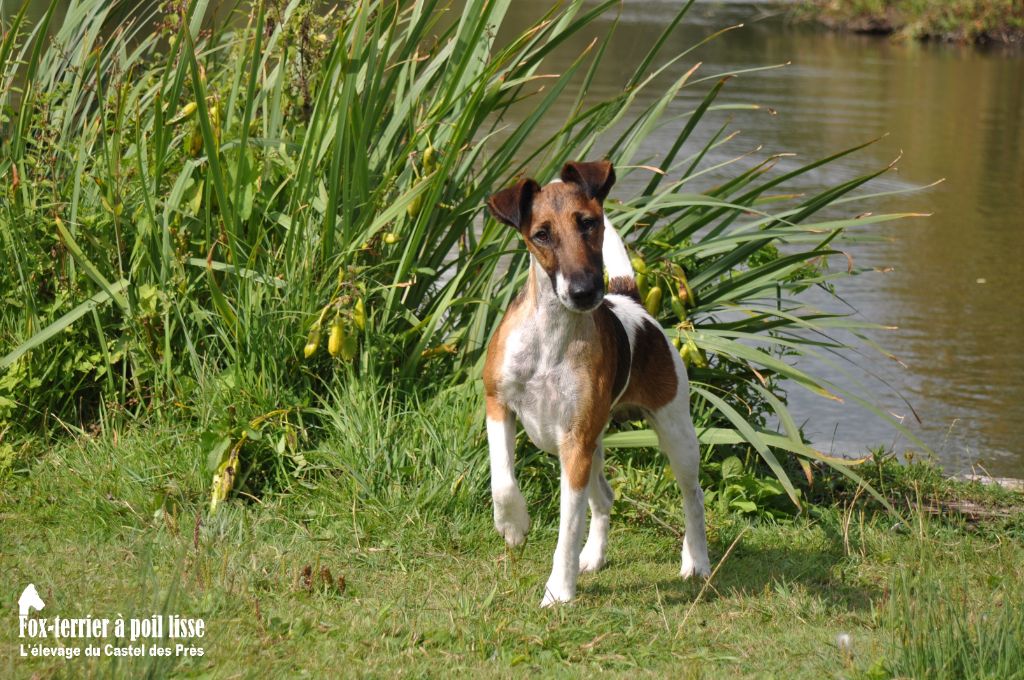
219, 220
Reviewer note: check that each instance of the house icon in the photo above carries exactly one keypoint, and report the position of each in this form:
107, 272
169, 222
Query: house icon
29, 600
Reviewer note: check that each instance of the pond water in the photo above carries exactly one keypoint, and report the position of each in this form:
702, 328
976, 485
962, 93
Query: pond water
955, 286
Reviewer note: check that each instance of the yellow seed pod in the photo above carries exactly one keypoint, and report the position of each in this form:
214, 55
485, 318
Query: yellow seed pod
195, 141
391, 238
429, 160
678, 308
639, 266
359, 314
642, 286
413, 209
697, 357
676, 342
653, 301
337, 338
186, 111
312, 341
215, 123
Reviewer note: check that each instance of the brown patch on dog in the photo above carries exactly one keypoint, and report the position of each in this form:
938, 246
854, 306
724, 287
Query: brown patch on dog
520, 307
577, 458
603, 366
610, 325
624, 285
652, 381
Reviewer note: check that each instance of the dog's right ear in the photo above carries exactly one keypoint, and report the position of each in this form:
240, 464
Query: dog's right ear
512, 205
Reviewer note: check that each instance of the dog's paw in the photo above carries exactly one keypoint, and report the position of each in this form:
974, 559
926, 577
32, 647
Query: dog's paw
555, 595
695, 566
591, 559
512, 520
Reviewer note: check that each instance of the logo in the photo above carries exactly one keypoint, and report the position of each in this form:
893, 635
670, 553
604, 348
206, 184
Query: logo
29, 600
72, 637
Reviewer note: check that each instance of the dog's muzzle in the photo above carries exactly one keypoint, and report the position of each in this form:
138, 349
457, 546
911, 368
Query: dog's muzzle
585, 293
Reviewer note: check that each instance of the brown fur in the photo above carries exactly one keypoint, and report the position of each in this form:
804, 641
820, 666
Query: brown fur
602, 375
624, 285
652, 381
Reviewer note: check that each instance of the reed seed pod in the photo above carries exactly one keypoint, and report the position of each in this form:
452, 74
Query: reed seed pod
652, 302
312, 341
337, 337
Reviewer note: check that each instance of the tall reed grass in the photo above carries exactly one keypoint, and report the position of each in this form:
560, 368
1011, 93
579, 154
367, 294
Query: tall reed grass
191, 206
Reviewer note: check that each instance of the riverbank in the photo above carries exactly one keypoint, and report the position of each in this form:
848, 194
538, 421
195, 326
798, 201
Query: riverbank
961, 21
328, 577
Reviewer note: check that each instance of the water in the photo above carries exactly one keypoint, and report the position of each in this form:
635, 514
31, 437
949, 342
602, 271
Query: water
957, 281
955, 286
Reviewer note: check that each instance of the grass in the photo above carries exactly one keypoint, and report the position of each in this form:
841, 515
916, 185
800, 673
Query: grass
970, 21
117, 523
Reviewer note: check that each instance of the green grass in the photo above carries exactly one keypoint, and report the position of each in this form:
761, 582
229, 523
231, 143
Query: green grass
118, 524
1000, 21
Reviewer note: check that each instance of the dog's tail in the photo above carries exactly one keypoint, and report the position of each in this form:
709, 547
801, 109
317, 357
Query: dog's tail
621, 277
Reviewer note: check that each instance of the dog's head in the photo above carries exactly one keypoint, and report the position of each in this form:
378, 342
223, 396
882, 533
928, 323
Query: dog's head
563, 227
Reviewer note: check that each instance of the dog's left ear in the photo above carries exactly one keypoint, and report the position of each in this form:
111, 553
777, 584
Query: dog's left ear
596, 177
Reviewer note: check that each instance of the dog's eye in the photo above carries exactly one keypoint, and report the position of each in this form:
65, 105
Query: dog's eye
588, 224
541, 236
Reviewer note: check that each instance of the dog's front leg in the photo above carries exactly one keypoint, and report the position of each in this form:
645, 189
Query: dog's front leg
601, 497
510, 516
576, 462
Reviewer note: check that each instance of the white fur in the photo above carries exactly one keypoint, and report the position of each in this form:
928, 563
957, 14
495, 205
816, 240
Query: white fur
562, 289
601, 497
678, 440
572, 517
613, 250
510, 516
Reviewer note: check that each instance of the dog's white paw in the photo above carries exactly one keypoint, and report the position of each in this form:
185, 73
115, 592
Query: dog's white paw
591, 559
555, 594
511, 519
695, 566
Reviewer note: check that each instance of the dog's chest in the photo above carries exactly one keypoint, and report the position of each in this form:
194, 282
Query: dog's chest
541, 384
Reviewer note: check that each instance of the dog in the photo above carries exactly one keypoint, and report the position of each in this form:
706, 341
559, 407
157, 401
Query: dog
567, 355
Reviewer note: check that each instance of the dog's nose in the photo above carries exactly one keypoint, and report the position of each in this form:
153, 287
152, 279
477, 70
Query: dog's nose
583, 293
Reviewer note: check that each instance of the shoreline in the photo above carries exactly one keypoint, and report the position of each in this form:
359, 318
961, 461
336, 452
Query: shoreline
964, 22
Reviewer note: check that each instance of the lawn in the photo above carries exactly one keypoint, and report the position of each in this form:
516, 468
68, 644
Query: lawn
324, 582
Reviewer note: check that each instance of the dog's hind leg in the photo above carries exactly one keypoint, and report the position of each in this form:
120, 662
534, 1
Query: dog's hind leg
679, 441
510, 516
600, 495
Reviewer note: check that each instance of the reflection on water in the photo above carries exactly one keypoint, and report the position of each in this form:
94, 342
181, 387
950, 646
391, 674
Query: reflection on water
956, 285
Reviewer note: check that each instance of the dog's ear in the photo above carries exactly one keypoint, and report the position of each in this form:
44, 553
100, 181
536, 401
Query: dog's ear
596, 177
512, 205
